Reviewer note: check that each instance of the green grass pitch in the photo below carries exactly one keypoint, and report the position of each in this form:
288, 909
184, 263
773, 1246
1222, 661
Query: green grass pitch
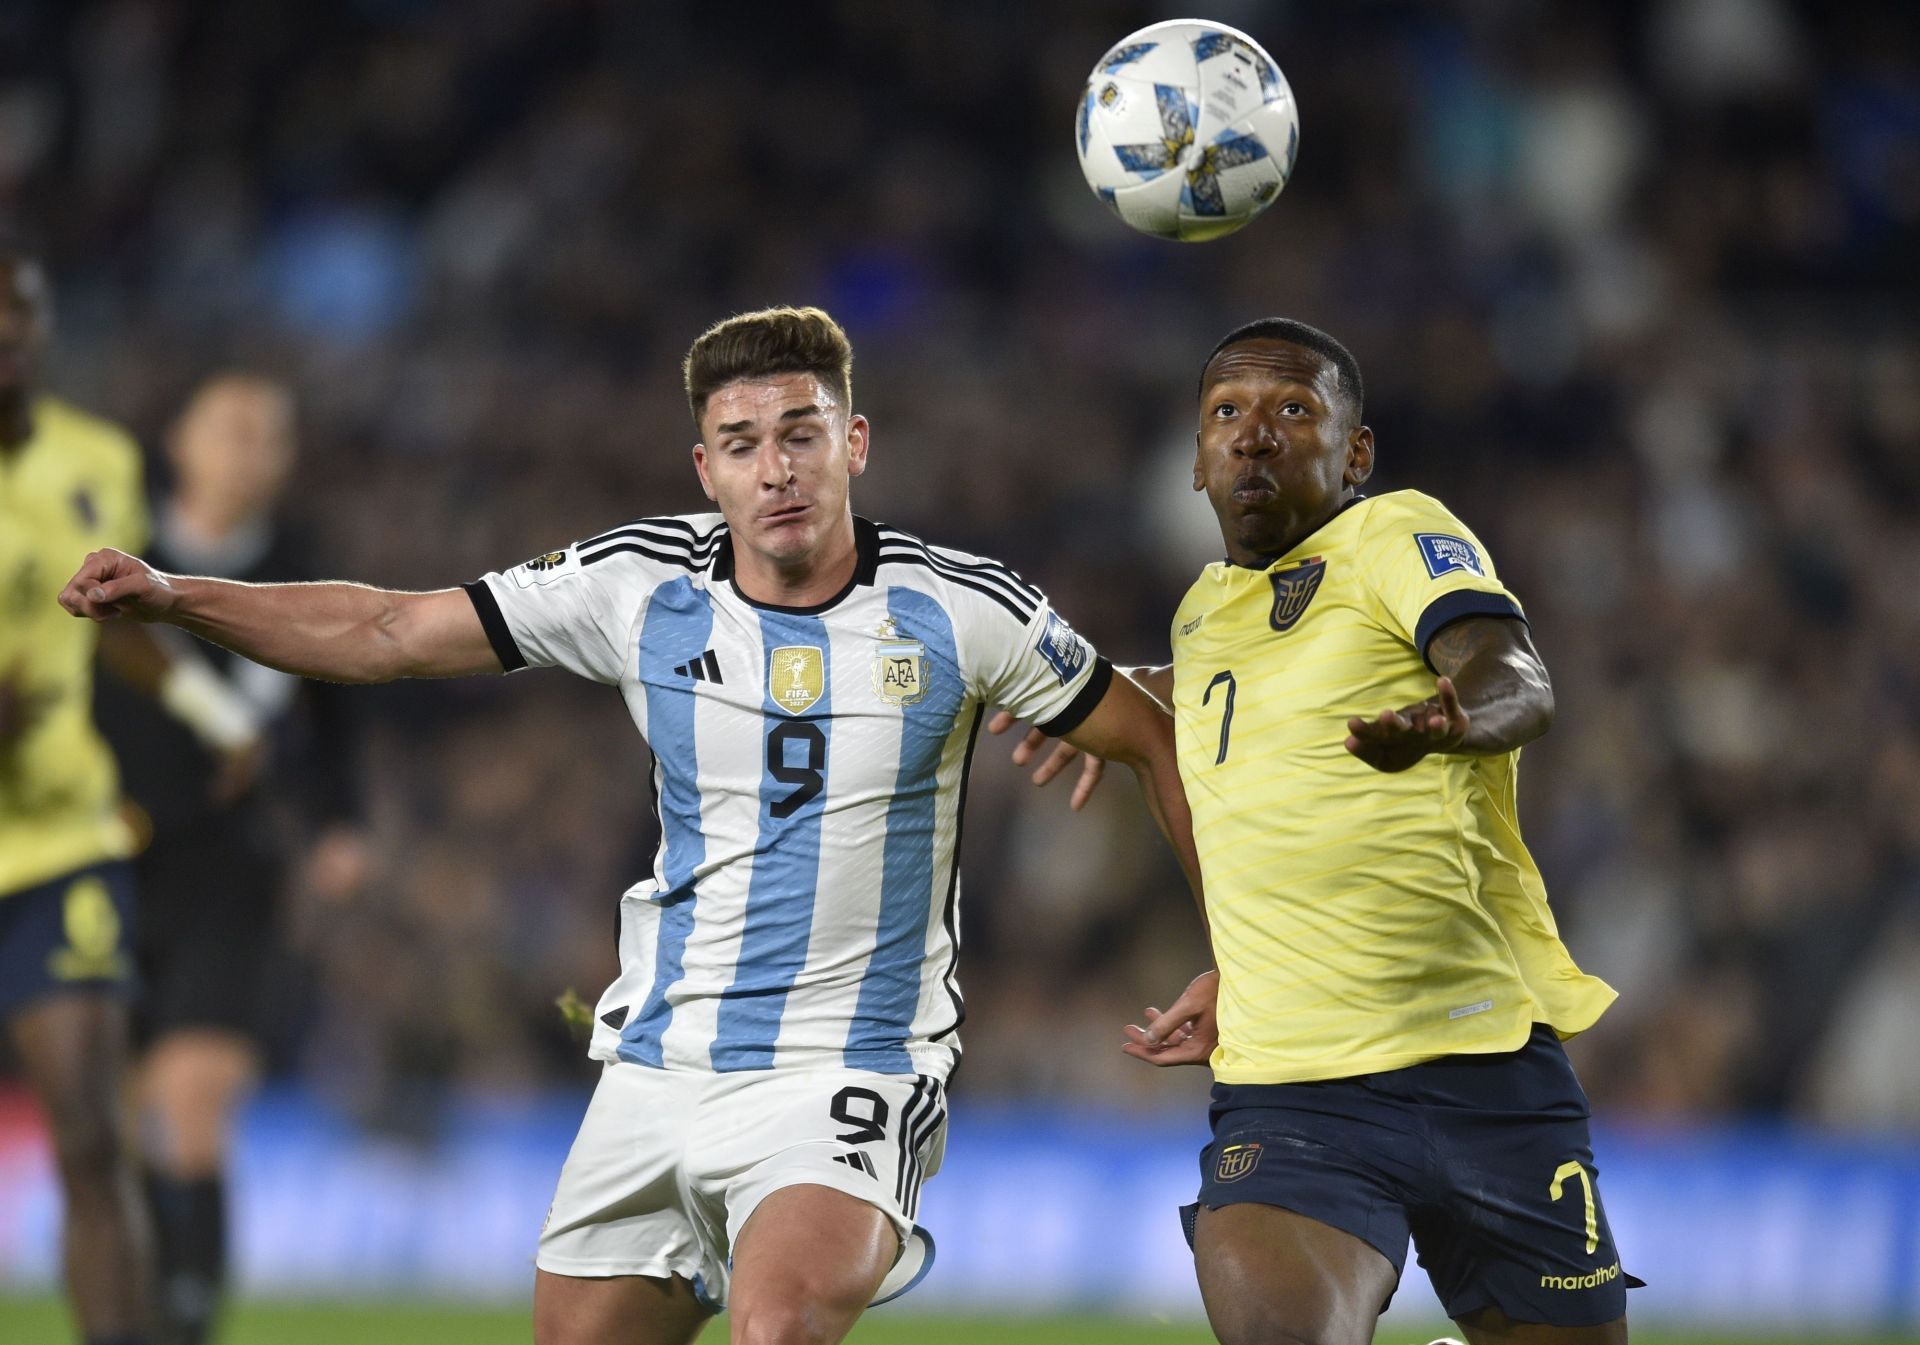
43, 1321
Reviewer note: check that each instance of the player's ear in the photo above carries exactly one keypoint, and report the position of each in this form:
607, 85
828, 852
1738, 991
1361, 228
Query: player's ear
1359, 457
1199, 481
700, 467
857, 439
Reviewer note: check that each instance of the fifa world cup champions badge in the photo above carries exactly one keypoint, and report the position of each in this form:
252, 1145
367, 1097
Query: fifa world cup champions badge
797, 676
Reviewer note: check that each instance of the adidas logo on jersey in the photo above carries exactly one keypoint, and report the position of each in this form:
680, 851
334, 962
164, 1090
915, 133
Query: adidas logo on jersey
859, 1162
706, 668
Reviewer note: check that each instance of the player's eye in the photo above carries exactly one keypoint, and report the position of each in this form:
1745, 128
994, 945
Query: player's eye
1225, 409
1294, 409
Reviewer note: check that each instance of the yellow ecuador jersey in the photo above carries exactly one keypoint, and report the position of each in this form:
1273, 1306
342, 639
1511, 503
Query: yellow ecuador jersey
1362, 921
70, 489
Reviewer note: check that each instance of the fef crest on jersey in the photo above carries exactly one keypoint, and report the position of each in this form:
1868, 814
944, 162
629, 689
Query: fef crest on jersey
1293, 592
796, 675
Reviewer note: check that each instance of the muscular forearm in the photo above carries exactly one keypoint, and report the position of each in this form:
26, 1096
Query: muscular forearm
1502, 684
336, 632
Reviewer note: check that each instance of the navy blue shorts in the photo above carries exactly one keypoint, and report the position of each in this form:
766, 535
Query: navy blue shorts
71, 933
1482, 1160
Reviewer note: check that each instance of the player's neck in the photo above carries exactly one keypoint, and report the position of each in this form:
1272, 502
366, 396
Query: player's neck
16, 420
807, 581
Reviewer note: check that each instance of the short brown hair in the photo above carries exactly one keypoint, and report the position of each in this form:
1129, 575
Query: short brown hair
765, 343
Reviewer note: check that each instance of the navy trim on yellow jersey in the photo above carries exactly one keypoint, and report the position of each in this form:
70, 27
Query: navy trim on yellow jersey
1448, 608
1082, 704
487, 607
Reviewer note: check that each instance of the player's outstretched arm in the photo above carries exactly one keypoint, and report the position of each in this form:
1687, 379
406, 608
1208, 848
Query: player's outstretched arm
1131, 727
1158, 683
1493, 695
335, 632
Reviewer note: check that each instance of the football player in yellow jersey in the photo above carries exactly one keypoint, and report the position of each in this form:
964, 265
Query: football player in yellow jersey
70, 483
1392, 992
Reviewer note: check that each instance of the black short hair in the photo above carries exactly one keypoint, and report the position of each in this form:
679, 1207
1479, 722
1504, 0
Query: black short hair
1298, 333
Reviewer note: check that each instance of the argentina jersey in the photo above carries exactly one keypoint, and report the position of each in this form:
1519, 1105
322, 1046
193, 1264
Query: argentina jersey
809, 771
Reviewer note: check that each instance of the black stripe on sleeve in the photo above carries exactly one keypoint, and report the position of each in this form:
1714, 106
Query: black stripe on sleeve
1082, 704
494, 623
1013, 609
685, 560
1448, 608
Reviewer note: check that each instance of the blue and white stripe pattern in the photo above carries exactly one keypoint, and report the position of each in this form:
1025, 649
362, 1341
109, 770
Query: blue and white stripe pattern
802, 910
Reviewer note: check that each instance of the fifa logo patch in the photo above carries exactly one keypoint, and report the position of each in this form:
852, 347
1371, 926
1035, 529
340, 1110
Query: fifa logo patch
1236, 1161
1064, 651
1444, 554
1293, 591
796, 677
899, 667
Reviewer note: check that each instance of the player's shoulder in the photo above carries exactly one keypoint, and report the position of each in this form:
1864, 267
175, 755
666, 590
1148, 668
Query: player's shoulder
682, 543
1399, 506
955, 578
84, 433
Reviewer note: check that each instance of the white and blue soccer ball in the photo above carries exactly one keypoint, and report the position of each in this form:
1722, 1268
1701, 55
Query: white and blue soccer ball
1187, 129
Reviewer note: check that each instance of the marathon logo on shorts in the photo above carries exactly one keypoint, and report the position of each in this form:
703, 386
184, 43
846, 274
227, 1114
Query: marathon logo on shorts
1064, 651
1236, 1161
1606, 1275
1293, 590
1444, 554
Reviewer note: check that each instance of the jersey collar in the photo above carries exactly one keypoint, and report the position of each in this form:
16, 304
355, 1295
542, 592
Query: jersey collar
1269, 563
866, 545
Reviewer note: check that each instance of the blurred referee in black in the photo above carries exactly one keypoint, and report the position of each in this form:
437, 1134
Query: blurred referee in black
213, 874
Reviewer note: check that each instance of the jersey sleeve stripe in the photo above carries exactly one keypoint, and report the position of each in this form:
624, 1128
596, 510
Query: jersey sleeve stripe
960, 561
693, 536
1448, 608
1082, 704
494, 623
1020, 611
685, 560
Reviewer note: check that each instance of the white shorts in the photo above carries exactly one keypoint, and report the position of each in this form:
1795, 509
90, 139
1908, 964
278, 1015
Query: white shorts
669, 1165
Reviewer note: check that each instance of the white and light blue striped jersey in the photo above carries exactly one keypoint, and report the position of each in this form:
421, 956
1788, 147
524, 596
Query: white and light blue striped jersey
809, 769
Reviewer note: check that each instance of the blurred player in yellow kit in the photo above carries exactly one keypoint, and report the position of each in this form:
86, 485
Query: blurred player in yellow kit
1392, 991
68, 483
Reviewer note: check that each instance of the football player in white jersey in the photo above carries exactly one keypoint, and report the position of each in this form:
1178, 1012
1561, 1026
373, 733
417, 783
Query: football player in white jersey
810, 684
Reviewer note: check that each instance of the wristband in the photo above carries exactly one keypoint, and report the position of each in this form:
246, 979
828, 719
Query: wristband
200, 698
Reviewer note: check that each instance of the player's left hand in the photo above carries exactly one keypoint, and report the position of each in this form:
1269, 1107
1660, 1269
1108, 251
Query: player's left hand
1395, 739
1091, 769
1186, 1033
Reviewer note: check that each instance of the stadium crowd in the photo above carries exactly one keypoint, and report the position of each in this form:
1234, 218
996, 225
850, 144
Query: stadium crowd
1631, 284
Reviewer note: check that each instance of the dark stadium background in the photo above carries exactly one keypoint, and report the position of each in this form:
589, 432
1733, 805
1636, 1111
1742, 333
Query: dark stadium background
1633, 285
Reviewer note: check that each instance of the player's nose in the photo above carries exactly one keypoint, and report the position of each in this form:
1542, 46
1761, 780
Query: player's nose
1258, 438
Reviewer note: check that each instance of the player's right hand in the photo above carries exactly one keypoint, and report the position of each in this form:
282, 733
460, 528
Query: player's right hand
1186, 1033
111, 584
1024, 751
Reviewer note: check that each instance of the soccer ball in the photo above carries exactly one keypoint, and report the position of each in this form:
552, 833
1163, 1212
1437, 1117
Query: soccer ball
1187, 129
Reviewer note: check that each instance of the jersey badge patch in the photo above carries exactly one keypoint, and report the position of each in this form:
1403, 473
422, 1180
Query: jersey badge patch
541, 569
899, 667
1064, 651
1293, 592
796, 675
1444, 554
1236, 1161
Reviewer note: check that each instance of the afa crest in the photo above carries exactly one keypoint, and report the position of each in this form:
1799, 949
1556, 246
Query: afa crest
796, 676
899, 670
1293, 591
1236, 1161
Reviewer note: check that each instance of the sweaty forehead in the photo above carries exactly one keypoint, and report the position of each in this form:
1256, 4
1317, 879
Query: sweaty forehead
1269, 358
757, 399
